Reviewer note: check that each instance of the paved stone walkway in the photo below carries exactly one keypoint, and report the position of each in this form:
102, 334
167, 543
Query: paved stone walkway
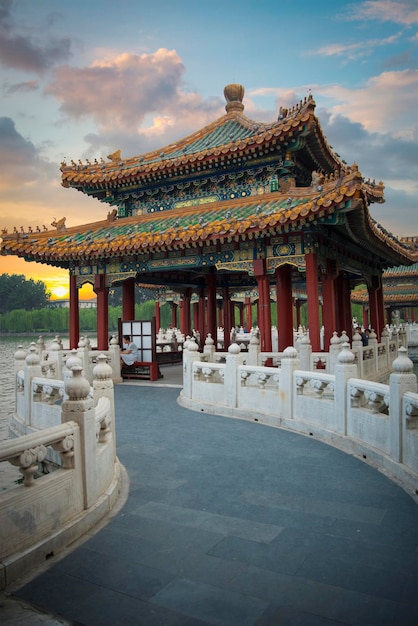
234, 523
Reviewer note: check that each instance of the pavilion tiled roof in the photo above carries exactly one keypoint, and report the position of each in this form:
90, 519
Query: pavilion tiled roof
230, 142
239, 218
230, 139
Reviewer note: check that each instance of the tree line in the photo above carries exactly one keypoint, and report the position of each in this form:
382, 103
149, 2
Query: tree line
16, 292
50, 320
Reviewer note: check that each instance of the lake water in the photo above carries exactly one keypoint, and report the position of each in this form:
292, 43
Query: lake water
8, 346
9, 474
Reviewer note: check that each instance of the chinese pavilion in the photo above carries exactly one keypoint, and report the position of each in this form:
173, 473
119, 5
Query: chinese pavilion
239, 207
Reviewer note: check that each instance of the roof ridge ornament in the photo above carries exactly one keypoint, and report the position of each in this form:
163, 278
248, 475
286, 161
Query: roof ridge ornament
234, 94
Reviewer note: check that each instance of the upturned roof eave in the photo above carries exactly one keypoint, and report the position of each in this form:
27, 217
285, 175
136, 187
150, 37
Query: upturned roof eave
171, 159
271, 213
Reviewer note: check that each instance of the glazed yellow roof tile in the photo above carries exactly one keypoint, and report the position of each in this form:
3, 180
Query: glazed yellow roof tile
275, 212
229, 134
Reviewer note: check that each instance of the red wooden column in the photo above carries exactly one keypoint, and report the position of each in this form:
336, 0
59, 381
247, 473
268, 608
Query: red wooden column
381, 308
181, 320
226, 307
248, 313
186, 313
173, 314
74, 314
101, 290
128, 299
297, 307
328, 309
284, 306
342, 294
211, 314
348, 315
201, 320
365, 316
157, 316
313, 300
241, 313
376, 305
195, 311
264, 311
220, 314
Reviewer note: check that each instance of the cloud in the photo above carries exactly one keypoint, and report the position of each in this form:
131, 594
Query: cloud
137, 101
26, 87
405, 13
382, 157
31, 48
353, 51
15, 151
385, 103
119, 92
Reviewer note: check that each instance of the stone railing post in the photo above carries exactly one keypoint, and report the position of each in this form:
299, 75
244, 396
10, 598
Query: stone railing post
80, 408
209, 348
357, 346
41, 346
20, 358
373, 345
290, 363
55, 356
72, 360
305, 353
253, 350
385, 340
114, 359
32, 369
190, 355
401, 380
403, 337
103, 387
334, 350
344, 370
232, 360
83, 355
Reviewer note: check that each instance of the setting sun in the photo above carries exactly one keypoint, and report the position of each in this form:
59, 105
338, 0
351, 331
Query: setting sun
60, 292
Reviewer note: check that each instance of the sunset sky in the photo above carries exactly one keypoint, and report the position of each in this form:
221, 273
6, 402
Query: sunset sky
82, 79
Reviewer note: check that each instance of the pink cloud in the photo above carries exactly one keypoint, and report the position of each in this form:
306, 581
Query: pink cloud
405, 13
120, 92
137, 101
385, 104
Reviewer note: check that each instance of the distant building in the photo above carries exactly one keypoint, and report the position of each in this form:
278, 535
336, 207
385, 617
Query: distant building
65, 304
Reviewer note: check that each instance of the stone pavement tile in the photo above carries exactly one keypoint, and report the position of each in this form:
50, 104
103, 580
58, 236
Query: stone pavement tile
86, 604
212, 522
360, 576
300, 599
293, 616
195, 565
372, 553
166, 536
165, 533
316, 506
217, 606
285, 554
128, 577
385, 534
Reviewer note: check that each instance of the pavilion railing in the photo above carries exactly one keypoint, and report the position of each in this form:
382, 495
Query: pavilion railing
376, 421
70, 475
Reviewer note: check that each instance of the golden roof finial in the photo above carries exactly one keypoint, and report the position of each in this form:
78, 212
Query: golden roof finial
234, 95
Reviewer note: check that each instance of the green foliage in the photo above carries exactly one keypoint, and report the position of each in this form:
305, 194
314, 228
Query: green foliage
18, 293
48, 320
